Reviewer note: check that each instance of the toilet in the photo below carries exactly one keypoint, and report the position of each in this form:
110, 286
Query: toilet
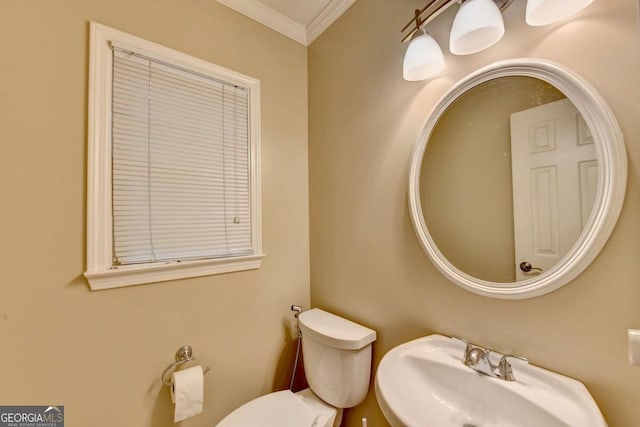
337, 362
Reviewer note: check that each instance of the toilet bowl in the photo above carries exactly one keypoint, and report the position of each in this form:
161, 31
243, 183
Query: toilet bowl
337, 361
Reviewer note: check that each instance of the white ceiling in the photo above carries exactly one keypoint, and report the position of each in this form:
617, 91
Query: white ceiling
300, 20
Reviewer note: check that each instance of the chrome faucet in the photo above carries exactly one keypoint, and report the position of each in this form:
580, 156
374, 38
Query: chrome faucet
477, 358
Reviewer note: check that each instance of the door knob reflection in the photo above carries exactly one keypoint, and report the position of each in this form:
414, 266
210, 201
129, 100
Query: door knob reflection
527, 267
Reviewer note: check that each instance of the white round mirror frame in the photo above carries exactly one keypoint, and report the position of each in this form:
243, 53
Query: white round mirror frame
612, 178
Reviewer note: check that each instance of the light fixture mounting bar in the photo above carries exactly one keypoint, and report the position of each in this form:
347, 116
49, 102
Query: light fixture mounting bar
503, 4
430, 11
419, 13
436, 7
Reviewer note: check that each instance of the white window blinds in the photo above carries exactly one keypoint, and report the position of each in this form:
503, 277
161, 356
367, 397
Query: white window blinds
180, 164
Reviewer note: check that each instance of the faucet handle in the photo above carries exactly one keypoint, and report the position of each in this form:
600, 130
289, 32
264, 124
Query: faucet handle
504, 360
468, 346
504, 367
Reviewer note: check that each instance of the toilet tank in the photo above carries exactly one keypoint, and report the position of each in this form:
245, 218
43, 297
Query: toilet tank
337, 357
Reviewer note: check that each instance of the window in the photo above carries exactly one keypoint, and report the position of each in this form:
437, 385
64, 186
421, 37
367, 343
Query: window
173, 180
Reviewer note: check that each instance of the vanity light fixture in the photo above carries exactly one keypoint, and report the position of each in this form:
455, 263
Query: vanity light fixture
424, 57
478, 25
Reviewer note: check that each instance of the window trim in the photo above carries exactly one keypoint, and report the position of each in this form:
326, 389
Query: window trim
101, 273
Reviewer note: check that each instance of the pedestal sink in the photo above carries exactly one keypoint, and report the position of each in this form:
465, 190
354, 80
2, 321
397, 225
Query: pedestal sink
423, 383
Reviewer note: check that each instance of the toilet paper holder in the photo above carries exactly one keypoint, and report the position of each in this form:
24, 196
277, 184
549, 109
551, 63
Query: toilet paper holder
183, 355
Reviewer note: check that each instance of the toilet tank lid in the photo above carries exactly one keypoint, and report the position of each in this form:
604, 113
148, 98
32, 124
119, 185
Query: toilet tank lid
335, 331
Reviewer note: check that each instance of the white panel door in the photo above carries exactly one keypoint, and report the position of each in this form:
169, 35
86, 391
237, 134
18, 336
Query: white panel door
555, 174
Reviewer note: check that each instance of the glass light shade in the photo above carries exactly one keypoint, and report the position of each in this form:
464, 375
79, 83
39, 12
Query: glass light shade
423, 58
544, 12
477, 26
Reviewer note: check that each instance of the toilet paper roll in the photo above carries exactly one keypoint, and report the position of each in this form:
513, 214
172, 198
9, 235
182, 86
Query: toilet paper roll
187, 392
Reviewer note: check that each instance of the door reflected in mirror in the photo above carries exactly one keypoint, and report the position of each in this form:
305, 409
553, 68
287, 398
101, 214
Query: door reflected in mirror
508, 179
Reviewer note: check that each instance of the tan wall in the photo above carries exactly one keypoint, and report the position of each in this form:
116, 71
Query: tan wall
100, 354
466, 188
366, 261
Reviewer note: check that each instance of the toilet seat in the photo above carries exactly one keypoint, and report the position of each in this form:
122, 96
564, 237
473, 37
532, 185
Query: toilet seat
279, 409
282, 409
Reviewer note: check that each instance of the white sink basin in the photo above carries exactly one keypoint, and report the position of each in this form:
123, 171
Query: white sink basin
424, 383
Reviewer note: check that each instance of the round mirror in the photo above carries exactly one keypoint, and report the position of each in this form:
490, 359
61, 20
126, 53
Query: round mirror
517, 179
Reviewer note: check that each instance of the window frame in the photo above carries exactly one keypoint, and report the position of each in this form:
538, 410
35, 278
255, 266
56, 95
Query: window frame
101, 272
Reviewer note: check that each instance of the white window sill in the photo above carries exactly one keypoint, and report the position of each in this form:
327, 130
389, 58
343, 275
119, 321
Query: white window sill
160, 272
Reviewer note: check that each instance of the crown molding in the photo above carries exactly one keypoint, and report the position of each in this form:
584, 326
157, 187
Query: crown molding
271, 18
326, 17
275, 20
